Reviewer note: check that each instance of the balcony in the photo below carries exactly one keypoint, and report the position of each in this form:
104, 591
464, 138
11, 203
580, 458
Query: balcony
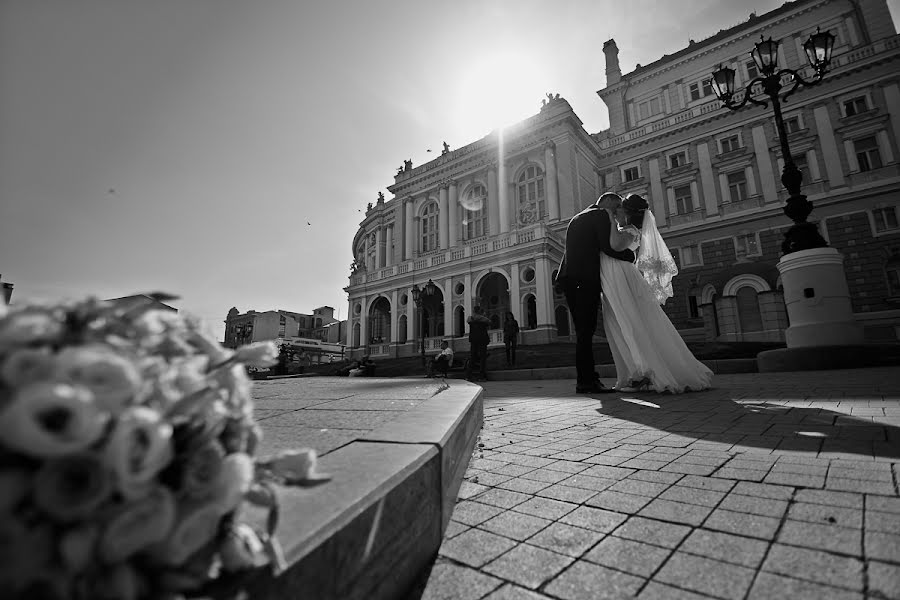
750, 203
468, 250
694, 216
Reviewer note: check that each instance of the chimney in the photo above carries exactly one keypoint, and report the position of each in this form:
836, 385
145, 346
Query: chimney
613, 72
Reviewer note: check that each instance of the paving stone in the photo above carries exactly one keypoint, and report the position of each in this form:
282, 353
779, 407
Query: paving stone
677, 512
619, 501
596, 519
546, 508
756, 526
802, 469
487, 478
689, 469
526, 486
707, 576
884, 579
814, 565
820, 513
856, 485
833, 538
706, 483
606, 460
587, 581
651, 531
629, 556
566, 539
795, 479
660, 591
502, 498
512, 470
689, 495
754, 505
882, 521
739, 550
830, 498
566, 493
528, 566
468, 489
644, 463
473, 513
740, 474
883, 504
475, 547
514, 592
547, 475
567, 466
656, 476
608, 472
517, 526
448, 581
588, 482
642, 488
770, 585
883, 546
864, 474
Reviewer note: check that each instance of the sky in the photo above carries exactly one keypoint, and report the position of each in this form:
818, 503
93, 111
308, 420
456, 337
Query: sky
224, 151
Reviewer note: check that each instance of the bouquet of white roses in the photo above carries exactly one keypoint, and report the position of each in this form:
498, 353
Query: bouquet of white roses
127, 447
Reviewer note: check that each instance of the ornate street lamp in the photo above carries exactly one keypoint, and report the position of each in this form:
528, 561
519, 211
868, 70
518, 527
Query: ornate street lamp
815, 286
818, 48
418, 296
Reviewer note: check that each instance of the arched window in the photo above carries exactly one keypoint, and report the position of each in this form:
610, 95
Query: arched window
474, 215
401, 329
748, 309
318, 323
562, 321
530, 194
356, 330
460, 321
530, 312
430, 227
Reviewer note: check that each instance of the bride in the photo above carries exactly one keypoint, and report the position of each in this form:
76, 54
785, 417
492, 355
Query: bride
647, 349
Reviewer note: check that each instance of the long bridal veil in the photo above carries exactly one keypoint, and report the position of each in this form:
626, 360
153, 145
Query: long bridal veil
654, 260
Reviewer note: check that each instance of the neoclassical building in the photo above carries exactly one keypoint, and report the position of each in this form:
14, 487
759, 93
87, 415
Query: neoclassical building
486, 222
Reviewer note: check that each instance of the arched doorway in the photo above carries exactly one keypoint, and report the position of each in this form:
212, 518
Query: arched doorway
562, 321
748, 309
356, 335
530, 312
459, 322
380, 321
433, 313
493, 297
401, 329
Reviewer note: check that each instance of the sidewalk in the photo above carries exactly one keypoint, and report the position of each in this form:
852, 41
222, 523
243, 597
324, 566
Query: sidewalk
777, 485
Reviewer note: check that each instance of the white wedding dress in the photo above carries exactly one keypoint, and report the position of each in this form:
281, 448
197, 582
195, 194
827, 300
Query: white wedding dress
643, 341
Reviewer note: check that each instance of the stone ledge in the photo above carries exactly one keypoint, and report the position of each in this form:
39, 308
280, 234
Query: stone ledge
817, 358
368, 532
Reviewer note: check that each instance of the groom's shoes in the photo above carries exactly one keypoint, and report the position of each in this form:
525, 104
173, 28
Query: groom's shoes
594, 388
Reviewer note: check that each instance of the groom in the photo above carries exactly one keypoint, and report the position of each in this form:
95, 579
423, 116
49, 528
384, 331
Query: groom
579, 277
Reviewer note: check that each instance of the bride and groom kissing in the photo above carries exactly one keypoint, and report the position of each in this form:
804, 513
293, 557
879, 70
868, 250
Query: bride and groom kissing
616, 257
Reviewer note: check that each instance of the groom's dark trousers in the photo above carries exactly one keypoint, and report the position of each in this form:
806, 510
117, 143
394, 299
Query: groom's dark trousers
584, 302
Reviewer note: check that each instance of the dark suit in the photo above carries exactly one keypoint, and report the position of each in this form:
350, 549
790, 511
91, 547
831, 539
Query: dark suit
579, 276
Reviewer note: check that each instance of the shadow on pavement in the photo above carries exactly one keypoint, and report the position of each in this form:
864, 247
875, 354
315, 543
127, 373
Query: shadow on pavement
757, 424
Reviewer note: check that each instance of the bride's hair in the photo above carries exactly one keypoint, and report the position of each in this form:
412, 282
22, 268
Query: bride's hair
635, 206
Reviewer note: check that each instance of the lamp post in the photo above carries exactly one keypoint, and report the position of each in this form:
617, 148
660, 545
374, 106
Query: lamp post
815, 286
818, 48
419, 296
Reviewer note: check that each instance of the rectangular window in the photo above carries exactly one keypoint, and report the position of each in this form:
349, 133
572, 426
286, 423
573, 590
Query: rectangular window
707, 88
695, 91
730, 143
679, 159
752, 71
684, 200
747, 245
649, 108
893, 279
693, 307
867, 154
737, 186
885, 218
792, 124
631, 173
690, 255
855, 106
803, 165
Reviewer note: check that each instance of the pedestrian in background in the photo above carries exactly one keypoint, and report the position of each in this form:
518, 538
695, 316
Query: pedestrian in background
478, 341
510, 338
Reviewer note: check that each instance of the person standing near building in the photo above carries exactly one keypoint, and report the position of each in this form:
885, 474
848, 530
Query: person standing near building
479, 338
587, 236
510, 338
442, 362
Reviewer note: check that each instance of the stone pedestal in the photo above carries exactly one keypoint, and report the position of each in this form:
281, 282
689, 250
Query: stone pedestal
817, 299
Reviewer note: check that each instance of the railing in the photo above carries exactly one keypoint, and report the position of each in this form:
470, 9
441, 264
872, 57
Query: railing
438, 260
387, 272
404, 268
479, 248
457, 254
740, 205
688, 114
523, 237
501, 243
421, 263
681, 219
379, 349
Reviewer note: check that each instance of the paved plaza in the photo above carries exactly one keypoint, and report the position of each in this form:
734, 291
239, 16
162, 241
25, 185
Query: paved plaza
777, 485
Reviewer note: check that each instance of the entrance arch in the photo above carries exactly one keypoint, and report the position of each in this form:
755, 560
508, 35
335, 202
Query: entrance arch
380, 321
493, 296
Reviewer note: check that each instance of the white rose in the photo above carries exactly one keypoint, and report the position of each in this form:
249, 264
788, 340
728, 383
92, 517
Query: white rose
27, 365
139, 447
28, 327
113, 379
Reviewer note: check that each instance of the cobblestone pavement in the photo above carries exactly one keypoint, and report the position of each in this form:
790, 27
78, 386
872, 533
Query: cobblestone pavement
768, 486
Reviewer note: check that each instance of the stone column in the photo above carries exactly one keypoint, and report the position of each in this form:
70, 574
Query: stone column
448, 308
656, 190
443, 221
515, 302
395, 316
833, 169
552, 192
367, 251
409, 230
708, 312
416, 239
363, 325
410, 320
452, 215
493, 202
468, 294
388, 245
729, 321
543, 292
707, 180
379, 254
767, 177
723, 185
349, 332
503, 196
